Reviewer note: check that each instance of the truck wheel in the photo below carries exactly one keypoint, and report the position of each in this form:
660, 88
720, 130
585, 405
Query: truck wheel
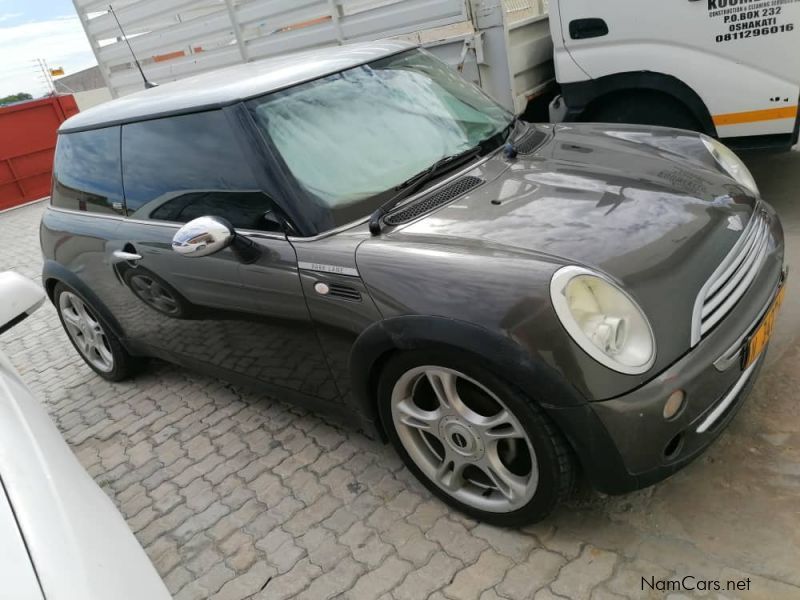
96, 344
473, 439
642, 108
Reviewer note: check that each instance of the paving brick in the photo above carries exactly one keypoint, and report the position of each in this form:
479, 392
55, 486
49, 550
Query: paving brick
456, 540
628, 576
176, 579
213, 579
290, 583
427, 513
334, 582
365, 545
404, 503
246, 584
379, 581
525, 579
311, 515
410, 543
433, 576
472, 581
578, 578
280, 550
198, 522
142, 519
243, 558
198, 495
516, 545
322, 548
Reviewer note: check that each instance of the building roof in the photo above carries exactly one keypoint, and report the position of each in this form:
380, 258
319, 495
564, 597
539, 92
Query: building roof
81, 81
232, 84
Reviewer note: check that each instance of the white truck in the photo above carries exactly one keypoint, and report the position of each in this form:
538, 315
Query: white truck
729, 68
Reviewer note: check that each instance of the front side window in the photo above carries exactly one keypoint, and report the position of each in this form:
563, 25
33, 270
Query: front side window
86, 171
180, 168
350, 138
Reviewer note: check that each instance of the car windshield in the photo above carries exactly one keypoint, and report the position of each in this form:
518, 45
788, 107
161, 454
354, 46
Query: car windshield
349, 139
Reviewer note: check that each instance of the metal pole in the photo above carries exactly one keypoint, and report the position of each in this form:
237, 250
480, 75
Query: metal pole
48, 80
237, 31
336, 14
95, 47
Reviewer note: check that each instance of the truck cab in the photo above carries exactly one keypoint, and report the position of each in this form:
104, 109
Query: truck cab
728, 68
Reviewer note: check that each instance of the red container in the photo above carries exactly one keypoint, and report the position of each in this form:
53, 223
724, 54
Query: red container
27, 141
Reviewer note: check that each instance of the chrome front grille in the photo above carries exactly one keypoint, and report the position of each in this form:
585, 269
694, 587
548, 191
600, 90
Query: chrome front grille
733, 277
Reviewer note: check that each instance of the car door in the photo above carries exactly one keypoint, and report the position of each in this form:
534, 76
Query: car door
726, 51
200, 311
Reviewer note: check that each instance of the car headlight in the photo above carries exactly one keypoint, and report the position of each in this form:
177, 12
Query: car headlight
730, 163
603, 320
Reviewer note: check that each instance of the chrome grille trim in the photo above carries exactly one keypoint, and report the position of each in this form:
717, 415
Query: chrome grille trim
732, 278
729, 398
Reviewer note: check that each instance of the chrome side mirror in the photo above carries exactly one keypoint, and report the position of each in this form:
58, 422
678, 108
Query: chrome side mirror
203, 236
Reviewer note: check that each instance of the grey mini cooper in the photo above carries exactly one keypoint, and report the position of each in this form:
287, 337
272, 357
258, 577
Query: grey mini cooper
362, 231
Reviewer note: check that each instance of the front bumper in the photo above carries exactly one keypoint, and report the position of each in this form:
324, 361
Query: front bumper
626, 443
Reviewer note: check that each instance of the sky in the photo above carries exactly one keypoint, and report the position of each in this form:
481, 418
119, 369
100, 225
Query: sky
31, 29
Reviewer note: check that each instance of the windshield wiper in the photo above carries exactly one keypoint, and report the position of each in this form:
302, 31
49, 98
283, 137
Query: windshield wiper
409, 186
509, 146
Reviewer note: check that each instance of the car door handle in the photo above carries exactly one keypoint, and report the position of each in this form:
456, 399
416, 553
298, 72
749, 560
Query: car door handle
581, 29
122, 255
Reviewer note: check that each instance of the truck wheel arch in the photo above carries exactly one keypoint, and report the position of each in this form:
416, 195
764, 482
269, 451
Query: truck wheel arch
582, 95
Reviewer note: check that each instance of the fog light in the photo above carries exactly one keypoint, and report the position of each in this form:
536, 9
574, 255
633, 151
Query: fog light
674, 404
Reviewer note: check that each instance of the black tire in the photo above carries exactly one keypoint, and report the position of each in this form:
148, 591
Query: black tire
642, 108
124, 364
554, 458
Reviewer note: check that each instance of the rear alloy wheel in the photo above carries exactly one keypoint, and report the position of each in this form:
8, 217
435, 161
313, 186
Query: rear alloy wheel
473, 440
86, 332
97, 346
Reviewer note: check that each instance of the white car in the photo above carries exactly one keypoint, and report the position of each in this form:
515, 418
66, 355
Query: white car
61, 538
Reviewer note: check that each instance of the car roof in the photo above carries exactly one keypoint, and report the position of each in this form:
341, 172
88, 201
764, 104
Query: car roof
232, 84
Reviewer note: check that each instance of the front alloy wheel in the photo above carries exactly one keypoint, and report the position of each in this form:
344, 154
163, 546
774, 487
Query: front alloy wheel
472, 439
464, 439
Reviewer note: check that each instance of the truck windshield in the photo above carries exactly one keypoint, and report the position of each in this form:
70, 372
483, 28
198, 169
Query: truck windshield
349, 139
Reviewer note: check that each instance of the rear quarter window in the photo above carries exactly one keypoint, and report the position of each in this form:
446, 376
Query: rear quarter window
86, 171
180, 168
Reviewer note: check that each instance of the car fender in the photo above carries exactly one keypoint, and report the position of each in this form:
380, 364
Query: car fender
53, 273
571, 413
497, 352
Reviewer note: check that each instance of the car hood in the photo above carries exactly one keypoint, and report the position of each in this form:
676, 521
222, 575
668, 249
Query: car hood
647, 206
625, 200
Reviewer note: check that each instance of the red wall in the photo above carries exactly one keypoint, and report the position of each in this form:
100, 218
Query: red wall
27, 141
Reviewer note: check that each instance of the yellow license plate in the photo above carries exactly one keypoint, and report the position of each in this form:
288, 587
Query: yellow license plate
758, 341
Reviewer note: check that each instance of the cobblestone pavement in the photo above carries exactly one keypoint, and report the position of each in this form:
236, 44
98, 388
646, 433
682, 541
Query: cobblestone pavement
235, 495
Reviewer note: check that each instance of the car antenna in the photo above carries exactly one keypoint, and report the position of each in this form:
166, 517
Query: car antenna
147, 83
